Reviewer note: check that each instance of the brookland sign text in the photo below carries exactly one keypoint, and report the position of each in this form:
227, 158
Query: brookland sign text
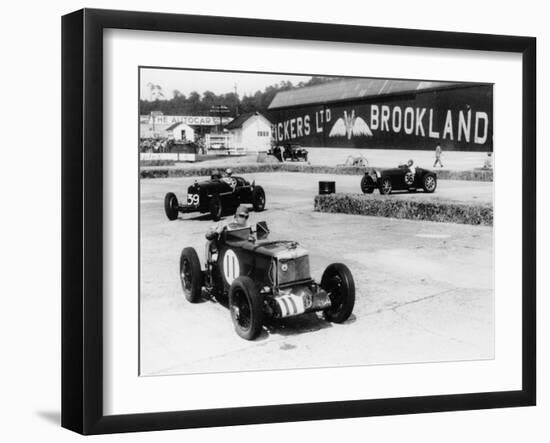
456, 120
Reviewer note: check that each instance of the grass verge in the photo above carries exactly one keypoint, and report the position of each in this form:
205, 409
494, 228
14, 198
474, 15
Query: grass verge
386, 206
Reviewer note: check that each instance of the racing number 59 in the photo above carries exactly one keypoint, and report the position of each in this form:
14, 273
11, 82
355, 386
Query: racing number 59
192, 199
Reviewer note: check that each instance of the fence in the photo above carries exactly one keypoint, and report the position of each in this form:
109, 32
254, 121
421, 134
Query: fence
217, 141
175, 156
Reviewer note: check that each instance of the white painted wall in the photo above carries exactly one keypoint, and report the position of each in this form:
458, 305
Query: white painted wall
181, 129
253, 136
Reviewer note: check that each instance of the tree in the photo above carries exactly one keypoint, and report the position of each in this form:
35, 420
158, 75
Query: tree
155, 91
195, 104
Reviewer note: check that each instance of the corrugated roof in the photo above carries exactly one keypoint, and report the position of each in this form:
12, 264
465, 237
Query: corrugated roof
351, 89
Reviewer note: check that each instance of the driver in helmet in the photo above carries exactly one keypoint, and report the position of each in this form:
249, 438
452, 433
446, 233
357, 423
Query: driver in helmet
410, 172
227, 178
240, 220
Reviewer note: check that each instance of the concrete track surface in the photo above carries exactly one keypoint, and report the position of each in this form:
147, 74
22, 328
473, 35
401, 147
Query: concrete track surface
424, 289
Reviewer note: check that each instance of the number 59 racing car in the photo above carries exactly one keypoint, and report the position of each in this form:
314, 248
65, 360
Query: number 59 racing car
216, 196
265, 279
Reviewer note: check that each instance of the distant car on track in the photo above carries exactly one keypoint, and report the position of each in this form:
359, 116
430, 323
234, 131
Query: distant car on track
402, 178
262, 279
354, 162
289, 152
217, 196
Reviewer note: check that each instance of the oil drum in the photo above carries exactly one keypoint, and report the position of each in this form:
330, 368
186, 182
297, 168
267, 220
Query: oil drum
327, 187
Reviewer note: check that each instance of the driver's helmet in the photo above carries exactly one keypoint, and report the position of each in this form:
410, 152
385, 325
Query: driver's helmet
228, 172
241, 215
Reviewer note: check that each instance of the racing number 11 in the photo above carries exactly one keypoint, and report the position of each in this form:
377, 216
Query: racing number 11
231, 268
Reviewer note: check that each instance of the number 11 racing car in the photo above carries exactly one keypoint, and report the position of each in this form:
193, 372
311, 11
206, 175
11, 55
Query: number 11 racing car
216, 196
264, 279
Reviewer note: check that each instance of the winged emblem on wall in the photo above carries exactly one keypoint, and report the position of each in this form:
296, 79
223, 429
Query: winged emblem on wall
350, 125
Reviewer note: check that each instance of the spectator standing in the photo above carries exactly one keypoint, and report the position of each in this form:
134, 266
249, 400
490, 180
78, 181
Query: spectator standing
438, 156
488, 161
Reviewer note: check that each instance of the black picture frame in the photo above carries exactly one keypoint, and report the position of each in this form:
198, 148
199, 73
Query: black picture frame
82, 215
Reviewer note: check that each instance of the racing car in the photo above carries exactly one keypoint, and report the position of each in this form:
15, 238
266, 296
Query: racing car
402, 178
217, 196
263, 279
289, 152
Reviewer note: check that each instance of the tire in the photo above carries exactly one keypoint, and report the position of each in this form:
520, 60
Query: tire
258, 199
171, 206
429, 183
246, 308
216, 209
338, 282
385, 186
367, 185
191, 275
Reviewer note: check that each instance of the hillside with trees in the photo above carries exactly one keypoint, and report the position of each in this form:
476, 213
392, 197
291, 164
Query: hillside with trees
197, 104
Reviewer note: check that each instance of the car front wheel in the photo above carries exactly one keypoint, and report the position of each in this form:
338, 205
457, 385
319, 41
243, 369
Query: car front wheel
191, 275
171, 206
429, 183
338, 282
246, 307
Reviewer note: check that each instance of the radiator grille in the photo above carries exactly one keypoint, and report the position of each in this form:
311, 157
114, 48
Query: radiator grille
291, 270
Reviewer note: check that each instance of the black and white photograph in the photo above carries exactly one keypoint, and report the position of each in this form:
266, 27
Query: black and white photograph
275, 222
310, 221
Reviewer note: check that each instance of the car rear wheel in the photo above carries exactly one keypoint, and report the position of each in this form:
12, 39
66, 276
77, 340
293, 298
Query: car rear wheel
171, 206
385, 186
429, 183
338, 282
191, 275
258, 199
216, 208
246, 308
367, 185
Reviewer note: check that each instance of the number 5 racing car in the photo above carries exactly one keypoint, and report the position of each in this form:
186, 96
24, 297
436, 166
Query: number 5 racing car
402, 178
263, 279
216, 196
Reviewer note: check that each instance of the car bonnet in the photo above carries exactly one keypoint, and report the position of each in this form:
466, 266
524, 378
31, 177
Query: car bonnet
282, 249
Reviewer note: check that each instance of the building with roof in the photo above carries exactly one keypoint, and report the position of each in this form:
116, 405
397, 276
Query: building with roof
386, 114
250, 132
180, 131
156, 125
